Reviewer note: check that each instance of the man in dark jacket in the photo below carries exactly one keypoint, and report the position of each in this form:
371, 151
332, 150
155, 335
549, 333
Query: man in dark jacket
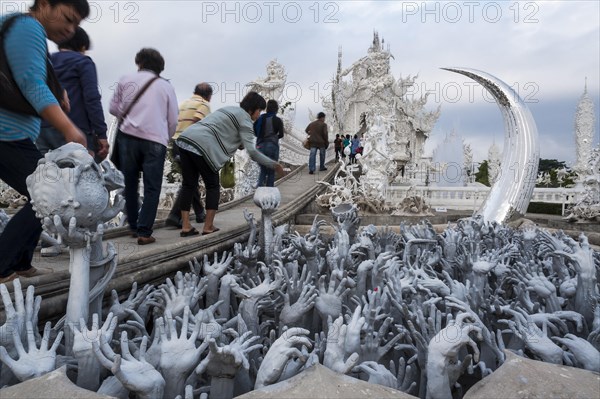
318, 139
268, 129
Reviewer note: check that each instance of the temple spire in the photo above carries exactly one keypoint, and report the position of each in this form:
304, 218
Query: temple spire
585, 119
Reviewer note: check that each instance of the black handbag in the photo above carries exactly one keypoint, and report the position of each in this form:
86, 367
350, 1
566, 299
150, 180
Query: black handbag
114, 155
11, 97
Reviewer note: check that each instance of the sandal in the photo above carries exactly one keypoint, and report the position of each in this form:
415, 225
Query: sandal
192, 232
209, 232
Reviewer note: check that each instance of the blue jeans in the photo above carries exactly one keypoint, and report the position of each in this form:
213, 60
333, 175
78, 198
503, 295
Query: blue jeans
267, 175
18, 159
313, 156
139, 155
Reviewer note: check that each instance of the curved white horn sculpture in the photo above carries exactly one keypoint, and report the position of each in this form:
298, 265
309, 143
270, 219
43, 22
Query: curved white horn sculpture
510, 195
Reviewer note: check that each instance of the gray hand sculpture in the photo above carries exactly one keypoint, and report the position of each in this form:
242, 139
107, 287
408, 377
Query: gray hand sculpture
34, 361
585, 353
137, 375
377, 374
88, 373
279, 354
179, 354
443, 365
336, 357
292, 314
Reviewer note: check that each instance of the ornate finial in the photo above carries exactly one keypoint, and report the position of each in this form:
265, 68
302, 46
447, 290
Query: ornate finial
376, 45
585, 87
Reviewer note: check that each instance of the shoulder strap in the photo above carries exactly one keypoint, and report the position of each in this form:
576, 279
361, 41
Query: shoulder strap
8, 23
136, 98
51, 79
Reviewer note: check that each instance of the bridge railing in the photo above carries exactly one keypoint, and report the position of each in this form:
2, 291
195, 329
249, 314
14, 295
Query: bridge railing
471, 198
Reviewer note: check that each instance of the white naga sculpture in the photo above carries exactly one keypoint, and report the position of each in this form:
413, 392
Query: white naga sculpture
271, 87
372, 91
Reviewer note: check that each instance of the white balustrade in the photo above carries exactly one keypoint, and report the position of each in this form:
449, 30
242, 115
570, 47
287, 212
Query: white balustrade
471, 198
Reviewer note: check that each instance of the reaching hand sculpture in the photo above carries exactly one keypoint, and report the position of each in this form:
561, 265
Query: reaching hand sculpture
223, 362
251, 296
213, 272
34, 361
188, 291
585, 353
308, 247
377, 374
533, 338
280, 353
88, 373
292, 314
135, 298
582, 259
17, 314
268, 199
137, 375
329, 301
395, 309
179, 354
336, 357
443, 365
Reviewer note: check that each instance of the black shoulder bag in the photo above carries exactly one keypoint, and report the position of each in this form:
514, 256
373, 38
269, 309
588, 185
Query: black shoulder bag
11, 97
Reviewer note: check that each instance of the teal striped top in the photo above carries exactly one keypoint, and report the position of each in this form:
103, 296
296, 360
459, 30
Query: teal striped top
26, 49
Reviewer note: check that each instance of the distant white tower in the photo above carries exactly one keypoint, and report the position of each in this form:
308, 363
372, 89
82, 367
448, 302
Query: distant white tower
449, 162
493, 163
585, 119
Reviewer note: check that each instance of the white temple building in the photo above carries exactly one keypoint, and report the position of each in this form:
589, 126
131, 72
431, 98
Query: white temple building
366, 94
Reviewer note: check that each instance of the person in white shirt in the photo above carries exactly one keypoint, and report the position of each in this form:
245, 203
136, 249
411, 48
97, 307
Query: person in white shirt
143, 137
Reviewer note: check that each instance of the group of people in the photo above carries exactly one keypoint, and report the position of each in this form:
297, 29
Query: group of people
341, 143
149, 120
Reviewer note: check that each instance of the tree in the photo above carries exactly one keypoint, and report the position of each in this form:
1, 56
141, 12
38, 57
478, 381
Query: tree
482, 175
551, 168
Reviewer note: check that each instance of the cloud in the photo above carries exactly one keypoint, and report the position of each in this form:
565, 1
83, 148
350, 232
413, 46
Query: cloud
544, 49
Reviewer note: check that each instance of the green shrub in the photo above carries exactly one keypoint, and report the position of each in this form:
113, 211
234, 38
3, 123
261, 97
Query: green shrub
544, 207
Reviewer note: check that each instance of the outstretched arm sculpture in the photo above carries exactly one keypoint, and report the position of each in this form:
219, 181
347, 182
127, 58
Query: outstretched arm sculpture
88, 373
137, 375
443, 365
268, 199
223, 362
34, 361
280, 353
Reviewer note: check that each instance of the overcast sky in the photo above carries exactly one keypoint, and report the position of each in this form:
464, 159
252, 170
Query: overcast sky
545, 49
